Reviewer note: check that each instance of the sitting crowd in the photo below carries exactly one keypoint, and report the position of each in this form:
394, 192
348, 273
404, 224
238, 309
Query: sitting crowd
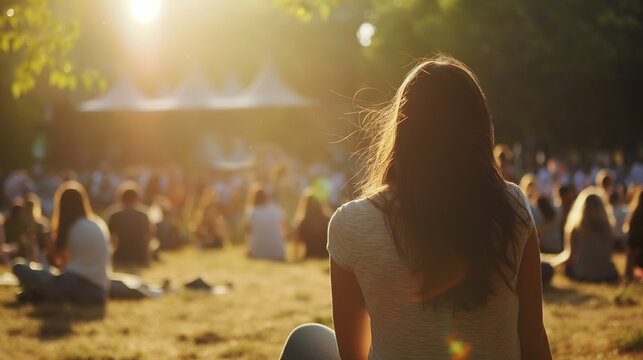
580, 231
70, 258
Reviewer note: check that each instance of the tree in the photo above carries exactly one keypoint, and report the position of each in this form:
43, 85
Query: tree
566, 73
42, 40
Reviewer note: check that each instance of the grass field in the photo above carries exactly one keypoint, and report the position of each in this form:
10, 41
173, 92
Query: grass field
267, 301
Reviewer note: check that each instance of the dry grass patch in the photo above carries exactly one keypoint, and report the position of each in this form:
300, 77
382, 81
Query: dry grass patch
267, 301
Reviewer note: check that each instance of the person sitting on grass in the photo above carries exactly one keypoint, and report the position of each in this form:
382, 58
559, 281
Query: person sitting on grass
4, 250
16, 231
311, 225
209, 224
551, 241
130, 228
588, 241
439, 258
529, 186
38, 225
265, 227
634, 229
168, 232
80, 249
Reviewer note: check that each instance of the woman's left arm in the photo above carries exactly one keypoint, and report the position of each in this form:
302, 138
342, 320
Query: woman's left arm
352, 324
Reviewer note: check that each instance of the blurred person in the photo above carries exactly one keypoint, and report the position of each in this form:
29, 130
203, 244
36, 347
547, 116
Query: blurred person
634, 229
168, 232
547, 177
17, 184
102, 186
503, 156
209, 224
529, 186
16, 231
152, 189
282, 189
588, 239
311, 225
635, 175
80, 248
4, 250
176, 189
620, 212
38, 226
337, 183
605, 180
583, 177
130, 227
265, 227
566, 197
439, 249
551, 241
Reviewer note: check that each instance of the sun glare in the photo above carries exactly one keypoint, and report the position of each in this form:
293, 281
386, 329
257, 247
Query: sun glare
365, 34
145, 11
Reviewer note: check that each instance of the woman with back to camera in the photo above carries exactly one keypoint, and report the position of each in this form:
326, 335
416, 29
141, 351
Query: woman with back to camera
80, 248
588, 239
634, 229
439, 258
265, 227
311, 224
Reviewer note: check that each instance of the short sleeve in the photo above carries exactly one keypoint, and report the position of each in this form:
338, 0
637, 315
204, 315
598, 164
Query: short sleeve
522, 205
338, 240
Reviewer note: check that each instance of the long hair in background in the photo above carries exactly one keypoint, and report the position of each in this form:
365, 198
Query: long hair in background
70, 204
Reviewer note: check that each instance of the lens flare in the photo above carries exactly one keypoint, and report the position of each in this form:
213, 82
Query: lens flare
458, 348
365, 34
145, 11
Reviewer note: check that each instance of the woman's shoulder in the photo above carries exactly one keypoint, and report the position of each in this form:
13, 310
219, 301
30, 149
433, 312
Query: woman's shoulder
519, 202
358, 211
356, 207
91, 224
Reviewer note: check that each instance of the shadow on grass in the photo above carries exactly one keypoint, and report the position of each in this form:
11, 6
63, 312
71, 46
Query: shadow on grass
571, 296
57, 319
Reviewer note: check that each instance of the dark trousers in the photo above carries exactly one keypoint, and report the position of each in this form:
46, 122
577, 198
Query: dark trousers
311, 342
42, 285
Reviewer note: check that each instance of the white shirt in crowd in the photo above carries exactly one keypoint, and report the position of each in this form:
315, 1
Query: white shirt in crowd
88, 244
266, 239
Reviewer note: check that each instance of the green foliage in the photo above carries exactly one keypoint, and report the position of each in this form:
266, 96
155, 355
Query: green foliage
305, 10
43, 40
566, 73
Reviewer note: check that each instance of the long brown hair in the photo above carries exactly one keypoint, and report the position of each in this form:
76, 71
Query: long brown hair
590, 214
70, 204
447, 202
311, 208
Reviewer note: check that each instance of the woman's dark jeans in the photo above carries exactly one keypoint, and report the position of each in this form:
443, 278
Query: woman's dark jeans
42, 285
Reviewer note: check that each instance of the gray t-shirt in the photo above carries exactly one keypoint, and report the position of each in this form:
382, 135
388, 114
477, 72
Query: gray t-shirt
266, 240
88, 244
401, 327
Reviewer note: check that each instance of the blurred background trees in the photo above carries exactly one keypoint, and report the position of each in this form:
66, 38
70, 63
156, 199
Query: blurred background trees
565, 74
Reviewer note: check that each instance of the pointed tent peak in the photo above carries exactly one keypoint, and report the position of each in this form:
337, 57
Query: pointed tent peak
122, 95
269, 89
232, 86
195, 84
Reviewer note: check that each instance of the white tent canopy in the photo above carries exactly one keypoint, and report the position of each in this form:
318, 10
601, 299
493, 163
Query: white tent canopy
122, 96
232, 87
267, 90
196, 93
